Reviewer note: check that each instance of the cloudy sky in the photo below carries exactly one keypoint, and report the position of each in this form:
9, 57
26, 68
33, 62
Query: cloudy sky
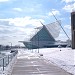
19, 17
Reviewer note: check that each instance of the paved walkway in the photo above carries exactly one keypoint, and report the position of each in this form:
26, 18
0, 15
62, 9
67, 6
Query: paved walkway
33, 64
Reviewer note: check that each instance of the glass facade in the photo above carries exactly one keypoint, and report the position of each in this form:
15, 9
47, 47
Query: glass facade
42, 35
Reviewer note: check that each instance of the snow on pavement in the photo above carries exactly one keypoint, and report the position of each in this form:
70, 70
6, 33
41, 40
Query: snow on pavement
26, 53
62, 57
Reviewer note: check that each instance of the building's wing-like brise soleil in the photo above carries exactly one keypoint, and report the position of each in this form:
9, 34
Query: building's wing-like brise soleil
54, 28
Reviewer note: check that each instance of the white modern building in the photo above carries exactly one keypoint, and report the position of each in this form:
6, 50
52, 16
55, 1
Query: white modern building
45, 37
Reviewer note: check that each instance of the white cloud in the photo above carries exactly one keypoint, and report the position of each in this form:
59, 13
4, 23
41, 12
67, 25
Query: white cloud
69, 8
21, 28
67, 1
17, 9
4, 0
25, 21
67, 27
54, 11
17, 26
1, 28
62, 35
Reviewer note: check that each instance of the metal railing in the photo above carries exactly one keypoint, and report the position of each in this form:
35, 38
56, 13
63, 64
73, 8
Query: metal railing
4, 61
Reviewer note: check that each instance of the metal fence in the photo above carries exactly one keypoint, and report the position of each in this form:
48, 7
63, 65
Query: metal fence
4, 61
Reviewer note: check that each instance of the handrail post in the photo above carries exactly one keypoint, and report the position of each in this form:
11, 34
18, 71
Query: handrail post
8, 59
3, 64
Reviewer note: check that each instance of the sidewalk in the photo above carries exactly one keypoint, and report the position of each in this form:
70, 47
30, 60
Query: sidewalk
33, 64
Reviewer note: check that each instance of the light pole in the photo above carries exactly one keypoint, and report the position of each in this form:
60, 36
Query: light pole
10, 44
37, 38
38, 42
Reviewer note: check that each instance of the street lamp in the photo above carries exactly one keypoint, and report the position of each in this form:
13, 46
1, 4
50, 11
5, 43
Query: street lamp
10, 44
38, 37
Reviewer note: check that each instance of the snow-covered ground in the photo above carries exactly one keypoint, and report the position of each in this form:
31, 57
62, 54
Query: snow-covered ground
3, 54
7, 66
62, 57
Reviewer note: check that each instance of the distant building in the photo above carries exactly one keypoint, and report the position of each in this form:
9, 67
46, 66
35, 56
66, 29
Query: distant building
45, 37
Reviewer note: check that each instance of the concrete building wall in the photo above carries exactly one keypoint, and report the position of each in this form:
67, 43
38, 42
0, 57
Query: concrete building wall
73, 29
